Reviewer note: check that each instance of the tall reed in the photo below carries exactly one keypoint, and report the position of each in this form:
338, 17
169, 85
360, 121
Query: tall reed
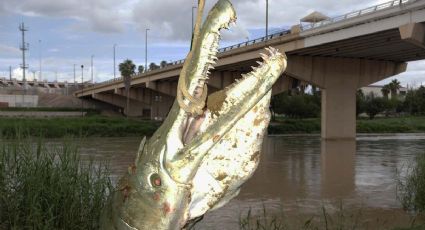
45, 186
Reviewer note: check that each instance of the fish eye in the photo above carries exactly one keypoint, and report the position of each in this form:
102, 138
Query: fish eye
155, 180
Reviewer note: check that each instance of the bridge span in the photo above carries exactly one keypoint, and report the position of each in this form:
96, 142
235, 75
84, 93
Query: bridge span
339, 55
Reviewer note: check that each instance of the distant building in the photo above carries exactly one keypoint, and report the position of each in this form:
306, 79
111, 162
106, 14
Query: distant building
377, 91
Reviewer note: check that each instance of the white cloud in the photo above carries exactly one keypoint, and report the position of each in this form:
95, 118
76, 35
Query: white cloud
9, 51
104, 16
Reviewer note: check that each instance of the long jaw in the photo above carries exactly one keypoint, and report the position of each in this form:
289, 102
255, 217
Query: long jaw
192, 128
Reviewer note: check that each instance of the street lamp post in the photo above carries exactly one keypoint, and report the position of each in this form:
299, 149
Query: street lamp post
91, 69
74, 74
146, 51
267, 19
39, 60
193, 7
82, 90
115, 45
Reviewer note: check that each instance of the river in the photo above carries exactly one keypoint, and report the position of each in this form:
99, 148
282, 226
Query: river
299, 175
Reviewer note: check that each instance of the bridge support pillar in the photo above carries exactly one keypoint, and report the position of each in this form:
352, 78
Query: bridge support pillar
339, 110
339, 79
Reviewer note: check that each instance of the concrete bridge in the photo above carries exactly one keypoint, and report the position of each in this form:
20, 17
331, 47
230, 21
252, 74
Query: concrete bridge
339, 55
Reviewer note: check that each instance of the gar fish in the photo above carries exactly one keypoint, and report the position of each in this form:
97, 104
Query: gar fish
206, 148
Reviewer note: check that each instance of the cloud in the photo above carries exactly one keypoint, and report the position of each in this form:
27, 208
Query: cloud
413, 77
171, 20
95, 15
9, 51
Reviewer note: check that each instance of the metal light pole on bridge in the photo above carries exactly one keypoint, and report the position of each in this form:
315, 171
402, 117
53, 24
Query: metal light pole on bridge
193, 7
146, 51
115, 45
91, 69
267, 19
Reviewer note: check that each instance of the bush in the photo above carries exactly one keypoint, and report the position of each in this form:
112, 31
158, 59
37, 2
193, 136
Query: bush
47, 187
374, 106
77, 126
411, 188
297, 106
414, 102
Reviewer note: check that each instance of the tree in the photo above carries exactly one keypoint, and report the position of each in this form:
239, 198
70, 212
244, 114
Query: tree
153, 66
386, 90
140, 69
394, 86
297, 105
374, 105
163, 64
127, 68
414, 102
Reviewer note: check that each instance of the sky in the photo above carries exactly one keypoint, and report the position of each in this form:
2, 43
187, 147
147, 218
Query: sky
67, 32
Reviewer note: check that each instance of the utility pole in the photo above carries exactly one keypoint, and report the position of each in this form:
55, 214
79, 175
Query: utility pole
74, 75
91, 69
24, 48
267, 19
33, 75
115, 45
82, 90
193, 7
146, 51
39, 60
10, 73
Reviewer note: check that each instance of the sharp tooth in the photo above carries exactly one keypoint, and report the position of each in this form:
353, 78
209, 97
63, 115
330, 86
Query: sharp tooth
254, 68
264, 56
259, 63
273, 50
269, 50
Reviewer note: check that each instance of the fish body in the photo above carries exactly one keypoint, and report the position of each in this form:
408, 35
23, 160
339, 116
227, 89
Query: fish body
206, 148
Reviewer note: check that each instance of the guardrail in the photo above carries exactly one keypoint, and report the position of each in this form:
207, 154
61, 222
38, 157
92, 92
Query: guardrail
358, 13
280, 33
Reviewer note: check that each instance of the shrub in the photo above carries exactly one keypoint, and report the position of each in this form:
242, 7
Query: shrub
297, 106
374, 106
49, 187
411, 188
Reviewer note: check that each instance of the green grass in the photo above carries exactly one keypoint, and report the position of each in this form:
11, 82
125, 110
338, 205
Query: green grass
49, 187
377, 125
97, 126
50, 109
392, 125
286, 126
340, 219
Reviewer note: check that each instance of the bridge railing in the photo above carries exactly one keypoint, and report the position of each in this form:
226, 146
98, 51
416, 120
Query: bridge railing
280, 33
355, 14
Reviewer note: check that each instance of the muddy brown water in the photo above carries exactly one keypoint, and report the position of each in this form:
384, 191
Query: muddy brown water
298, 175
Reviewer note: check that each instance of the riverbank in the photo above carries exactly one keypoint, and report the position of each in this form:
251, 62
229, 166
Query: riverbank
94, 126
102, 126
378, 125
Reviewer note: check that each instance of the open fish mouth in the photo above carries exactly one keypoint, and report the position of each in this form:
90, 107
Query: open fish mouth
208, 145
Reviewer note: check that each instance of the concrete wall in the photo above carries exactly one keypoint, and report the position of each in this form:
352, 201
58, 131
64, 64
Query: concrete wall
20, 100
